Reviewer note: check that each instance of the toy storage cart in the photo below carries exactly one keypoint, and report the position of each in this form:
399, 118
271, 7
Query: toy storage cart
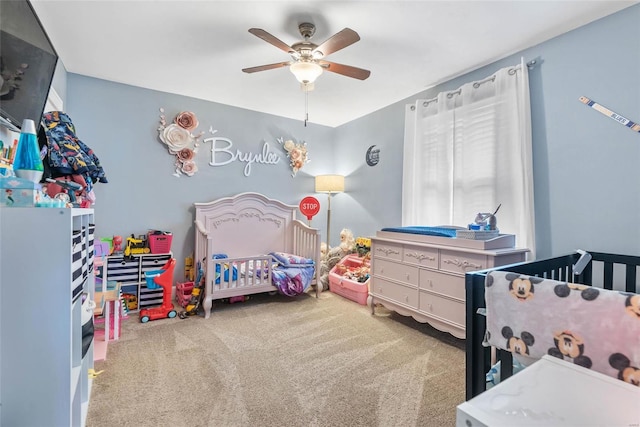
350, 279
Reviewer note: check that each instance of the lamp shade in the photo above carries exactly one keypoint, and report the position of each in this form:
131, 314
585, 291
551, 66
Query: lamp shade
329, 184
306, 72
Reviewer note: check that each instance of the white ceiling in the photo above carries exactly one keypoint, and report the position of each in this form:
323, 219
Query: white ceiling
198, 48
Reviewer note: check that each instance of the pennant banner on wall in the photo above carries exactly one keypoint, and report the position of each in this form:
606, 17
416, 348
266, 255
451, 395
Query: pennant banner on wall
617, 117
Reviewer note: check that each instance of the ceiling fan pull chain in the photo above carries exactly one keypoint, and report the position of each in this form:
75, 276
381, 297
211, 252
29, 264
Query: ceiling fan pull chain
306, 105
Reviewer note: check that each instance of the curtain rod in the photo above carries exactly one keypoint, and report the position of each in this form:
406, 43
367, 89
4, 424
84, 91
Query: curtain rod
477, 84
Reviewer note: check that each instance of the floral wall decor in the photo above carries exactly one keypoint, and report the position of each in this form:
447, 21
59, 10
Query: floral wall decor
297, 154
181, 141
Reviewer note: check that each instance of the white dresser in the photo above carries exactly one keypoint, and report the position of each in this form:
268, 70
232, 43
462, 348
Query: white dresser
423, 276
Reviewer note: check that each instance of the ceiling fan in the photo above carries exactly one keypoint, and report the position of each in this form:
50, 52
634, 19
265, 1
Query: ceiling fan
307, 58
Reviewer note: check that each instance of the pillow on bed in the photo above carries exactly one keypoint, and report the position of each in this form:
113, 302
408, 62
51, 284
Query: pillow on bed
290, 260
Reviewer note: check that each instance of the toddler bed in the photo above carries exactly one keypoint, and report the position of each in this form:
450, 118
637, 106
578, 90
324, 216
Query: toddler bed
590, 292
250, 244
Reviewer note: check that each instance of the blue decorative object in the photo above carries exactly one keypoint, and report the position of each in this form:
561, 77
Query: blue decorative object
27, 163
428, 231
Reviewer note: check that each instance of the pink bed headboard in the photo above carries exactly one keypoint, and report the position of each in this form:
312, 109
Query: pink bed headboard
244, 225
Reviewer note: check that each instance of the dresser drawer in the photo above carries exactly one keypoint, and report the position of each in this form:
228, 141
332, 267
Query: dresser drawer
150, 297
153, 262
387, 250
425, 257
395, 292
396, 271
444, 308
122, 269
444, 284
460, 262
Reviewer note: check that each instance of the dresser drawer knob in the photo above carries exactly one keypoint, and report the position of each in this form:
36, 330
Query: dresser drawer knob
406, 298
408, 276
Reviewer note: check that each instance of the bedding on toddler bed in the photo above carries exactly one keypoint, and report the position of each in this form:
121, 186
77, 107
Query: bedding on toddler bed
291, 274
234, 274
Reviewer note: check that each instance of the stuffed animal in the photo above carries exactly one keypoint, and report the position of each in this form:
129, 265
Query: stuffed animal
323, 250
332, 256
347, 241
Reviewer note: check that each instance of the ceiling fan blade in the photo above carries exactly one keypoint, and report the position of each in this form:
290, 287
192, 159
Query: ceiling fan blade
345, 70
259, 32
338, 41
266, 67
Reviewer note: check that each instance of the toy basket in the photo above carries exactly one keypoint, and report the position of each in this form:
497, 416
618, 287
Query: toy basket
183, 293
341, 284
150, 275
160, 243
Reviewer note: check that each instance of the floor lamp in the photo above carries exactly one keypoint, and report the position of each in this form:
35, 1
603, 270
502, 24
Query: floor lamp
329, 184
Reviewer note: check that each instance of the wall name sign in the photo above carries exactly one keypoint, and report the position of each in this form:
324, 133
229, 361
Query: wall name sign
182, 141
222, 154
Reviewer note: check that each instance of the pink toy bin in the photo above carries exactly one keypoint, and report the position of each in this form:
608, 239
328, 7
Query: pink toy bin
183, 293
160, 243
348, 288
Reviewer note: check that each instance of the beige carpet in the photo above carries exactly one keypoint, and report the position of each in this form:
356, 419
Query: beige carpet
275, 361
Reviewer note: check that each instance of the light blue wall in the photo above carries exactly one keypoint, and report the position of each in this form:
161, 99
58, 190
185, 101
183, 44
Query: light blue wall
586, 165
120, 122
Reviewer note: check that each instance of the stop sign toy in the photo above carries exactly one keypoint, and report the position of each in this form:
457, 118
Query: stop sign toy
309, 206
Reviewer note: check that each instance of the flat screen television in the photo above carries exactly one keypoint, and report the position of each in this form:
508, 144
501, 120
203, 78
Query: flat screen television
27, 64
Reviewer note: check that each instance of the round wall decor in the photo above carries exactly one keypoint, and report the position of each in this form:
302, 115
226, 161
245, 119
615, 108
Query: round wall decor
373, 156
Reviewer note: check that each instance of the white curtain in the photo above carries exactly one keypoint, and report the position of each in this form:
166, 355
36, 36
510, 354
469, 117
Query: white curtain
468, 151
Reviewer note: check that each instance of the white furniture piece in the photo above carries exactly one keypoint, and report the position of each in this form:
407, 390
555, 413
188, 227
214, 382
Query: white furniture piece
423, 276
129, 272
554, 392
246, 228
46, 256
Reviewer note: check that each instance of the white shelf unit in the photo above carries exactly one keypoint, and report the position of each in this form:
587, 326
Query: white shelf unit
129, 272
44, 378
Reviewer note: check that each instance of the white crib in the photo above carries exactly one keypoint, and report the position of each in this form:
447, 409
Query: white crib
246, 228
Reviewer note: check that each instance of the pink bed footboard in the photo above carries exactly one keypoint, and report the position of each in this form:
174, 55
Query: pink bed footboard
245, 228
236, 276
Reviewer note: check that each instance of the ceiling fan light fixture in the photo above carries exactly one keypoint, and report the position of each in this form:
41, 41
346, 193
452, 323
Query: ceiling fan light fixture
306, 72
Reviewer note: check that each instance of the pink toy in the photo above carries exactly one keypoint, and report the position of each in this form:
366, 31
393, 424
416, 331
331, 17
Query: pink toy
117, 244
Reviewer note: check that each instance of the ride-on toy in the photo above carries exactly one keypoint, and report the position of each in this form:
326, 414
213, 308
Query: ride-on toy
155, 279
